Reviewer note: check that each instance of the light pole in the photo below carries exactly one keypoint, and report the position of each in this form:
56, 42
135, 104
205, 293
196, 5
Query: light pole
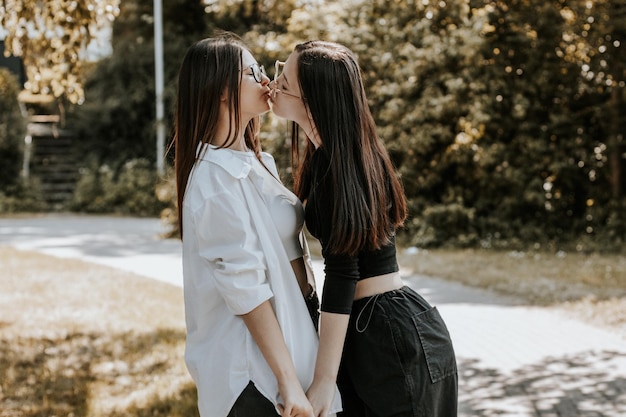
158, 81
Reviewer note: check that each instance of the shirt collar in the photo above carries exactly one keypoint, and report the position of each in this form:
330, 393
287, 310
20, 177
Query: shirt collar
237, 163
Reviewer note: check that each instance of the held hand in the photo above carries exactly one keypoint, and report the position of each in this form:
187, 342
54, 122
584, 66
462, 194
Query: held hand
296, 403
321, 395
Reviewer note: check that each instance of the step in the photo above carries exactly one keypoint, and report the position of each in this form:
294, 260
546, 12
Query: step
54, 161
62, 177
57, 188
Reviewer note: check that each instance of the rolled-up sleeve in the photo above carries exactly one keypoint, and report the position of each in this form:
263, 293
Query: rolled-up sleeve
228, 242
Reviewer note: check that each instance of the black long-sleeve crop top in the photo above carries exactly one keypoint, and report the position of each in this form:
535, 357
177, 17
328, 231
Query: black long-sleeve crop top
342, 271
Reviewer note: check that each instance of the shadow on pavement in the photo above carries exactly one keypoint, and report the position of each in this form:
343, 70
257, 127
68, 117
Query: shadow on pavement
588, 384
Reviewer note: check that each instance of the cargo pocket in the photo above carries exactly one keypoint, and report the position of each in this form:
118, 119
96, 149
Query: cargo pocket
436, 344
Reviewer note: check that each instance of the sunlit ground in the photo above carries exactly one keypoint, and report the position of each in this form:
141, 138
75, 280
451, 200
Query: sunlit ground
78, 339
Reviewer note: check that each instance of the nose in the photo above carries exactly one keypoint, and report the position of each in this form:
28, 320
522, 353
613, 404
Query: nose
265, 80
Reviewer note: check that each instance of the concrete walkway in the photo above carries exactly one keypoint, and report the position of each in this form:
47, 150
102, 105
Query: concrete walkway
514, 360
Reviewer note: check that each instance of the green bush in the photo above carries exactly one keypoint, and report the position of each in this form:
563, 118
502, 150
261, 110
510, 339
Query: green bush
23, 196
130, 190
441, 225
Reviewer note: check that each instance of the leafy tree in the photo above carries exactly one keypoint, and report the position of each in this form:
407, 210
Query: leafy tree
502, 116
559, 146
117, 119
530, 190
12, 131
421, 65
51, 37
490, 127
594, 42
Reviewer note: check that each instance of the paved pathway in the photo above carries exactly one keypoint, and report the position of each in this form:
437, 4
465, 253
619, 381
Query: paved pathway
514, 360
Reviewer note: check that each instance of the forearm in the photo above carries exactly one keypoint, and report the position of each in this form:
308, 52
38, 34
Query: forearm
333, 328
266, 332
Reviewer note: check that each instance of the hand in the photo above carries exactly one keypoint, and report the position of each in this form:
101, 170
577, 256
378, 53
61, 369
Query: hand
321, 395
296, 403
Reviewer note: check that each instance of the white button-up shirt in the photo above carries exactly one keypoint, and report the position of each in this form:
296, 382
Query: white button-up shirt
234, 260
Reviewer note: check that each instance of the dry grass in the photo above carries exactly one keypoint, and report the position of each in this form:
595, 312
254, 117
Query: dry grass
77, 339
590, 286
539, 278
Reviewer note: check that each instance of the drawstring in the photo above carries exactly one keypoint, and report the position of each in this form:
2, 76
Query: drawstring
369, 318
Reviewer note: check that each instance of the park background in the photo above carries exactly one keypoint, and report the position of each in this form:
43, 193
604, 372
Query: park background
505, 120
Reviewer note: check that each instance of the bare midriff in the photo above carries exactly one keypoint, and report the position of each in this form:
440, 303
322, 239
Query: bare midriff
377, 285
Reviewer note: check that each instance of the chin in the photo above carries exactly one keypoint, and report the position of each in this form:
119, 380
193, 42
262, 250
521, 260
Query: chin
277, 110
263, 108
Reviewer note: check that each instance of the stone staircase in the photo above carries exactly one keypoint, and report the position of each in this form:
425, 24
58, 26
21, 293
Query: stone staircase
54, 163
50, 154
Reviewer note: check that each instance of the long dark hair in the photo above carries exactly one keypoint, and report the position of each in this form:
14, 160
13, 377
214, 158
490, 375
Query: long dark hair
369, 202
210, 67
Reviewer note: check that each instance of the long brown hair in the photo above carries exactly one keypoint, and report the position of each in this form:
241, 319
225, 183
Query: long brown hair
369, 201
210, 67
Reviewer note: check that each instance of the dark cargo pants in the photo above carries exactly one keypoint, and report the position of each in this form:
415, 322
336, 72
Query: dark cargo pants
398, 359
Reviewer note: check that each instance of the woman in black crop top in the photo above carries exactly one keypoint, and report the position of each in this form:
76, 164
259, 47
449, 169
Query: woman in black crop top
397, 356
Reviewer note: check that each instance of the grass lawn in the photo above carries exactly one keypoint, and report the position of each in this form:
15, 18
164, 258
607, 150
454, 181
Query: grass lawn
78, 339
591, 287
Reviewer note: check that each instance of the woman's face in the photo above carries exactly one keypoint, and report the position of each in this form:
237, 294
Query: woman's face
254, 95
286, 100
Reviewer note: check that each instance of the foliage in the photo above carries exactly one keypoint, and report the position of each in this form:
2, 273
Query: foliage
558, 145
12, 131
526, 148
428, 97
117, 119
501, 117
130, 191
484, 116
51, 37
446, 224
23, 196
487, 107
16, 193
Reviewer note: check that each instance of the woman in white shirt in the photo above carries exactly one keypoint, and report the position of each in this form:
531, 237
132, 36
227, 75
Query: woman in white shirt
251, 344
